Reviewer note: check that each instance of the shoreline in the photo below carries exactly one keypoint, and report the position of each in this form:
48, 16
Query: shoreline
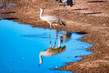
95, 26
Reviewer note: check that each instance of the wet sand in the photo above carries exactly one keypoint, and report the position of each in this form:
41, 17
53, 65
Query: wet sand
88, 17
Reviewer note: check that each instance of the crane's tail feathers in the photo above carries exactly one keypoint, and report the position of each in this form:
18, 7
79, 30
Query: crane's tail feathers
62, 22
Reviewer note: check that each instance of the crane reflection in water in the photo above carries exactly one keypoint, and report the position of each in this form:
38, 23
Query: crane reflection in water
20, 50
51, 51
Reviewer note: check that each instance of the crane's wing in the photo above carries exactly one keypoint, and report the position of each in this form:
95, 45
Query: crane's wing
51, 19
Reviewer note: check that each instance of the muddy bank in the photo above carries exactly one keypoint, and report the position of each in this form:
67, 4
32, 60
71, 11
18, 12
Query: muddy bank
89, 17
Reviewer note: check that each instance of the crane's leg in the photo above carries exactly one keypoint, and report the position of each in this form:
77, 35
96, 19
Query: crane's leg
65, 5
0, 14
54, 26
50, 26
55, 39
58, 7
50, 37
59, 43
74, 2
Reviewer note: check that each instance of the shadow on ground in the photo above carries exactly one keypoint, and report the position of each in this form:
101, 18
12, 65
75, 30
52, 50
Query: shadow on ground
96, 1
93, 13
10, 18
80, 9
81, 32
7, 12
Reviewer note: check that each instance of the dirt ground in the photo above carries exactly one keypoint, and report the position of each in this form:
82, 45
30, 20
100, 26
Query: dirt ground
88, 17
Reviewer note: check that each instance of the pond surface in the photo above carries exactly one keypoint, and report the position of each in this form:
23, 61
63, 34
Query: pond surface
20, 46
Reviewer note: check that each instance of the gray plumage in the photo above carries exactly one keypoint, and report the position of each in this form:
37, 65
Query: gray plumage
52, 20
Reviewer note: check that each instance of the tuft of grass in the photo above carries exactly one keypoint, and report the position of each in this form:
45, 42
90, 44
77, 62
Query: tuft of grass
106, 64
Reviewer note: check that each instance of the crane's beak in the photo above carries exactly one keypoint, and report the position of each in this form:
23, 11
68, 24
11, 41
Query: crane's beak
38, 65
40, 7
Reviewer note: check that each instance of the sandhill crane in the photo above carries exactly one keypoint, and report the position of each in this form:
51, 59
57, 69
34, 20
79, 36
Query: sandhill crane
66, 2
52, 20
51, 51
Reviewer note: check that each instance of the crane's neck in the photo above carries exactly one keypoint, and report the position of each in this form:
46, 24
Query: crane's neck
40, 57
41, 12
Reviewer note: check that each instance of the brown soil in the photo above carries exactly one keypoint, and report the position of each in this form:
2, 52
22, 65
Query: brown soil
90, 16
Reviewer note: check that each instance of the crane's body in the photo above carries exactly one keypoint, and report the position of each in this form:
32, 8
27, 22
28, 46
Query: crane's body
52, 20
52, 51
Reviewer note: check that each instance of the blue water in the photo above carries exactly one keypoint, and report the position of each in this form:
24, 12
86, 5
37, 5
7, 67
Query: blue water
20, 45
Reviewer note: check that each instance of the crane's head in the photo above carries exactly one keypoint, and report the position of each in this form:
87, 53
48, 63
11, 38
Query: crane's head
41, 9
40, 57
